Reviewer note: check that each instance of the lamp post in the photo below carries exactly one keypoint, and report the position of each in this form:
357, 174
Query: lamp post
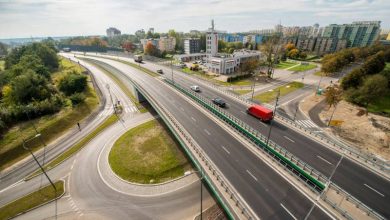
253, 89
201, 191
40, 166
271, 123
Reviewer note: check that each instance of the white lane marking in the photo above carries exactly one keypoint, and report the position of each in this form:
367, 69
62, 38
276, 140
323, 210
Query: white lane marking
243, 112
289, 139
374, 190
207, 132
193, 119
182, 109
225, 150
12, 186
324, 159
251, 175
288, 211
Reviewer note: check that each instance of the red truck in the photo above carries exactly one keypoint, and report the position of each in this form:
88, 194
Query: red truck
261, 112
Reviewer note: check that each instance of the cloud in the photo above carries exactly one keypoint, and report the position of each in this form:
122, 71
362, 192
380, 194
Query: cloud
24, 18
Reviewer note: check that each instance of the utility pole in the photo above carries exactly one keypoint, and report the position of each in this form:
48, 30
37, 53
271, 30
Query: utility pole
271, 122
318, 86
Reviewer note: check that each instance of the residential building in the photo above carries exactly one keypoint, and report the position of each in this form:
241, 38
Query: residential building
191, 45
233, 38
305, 43
212, 41
111, 32
167, 44
357, 34
324, 45
155, 42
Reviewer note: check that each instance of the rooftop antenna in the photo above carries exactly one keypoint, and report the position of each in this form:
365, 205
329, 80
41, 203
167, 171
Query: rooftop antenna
212, 24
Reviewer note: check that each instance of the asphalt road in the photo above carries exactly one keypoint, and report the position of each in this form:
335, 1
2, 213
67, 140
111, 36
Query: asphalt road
88, 196
267, 193
370, 188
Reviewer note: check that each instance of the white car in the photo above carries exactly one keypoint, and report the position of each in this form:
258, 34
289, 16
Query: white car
195, 88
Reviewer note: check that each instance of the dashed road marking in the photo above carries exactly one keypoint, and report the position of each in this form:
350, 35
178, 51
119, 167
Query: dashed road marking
225, 150
207, 132
374, 190
324, 159
251, 175
289, 139
288, 211
193, 119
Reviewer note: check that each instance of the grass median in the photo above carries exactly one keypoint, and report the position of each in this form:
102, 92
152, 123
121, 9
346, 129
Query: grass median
148, 154
78, 146
242, 91
50, 126
285, 64
32, 200
284, 90
303, 67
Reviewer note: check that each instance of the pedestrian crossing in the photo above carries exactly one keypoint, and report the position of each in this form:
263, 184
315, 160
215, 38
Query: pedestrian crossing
125, 109
306, 123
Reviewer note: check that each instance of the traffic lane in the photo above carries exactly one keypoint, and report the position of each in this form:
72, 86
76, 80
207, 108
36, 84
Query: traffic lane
296, 146
373, 191
219, 152
319, 157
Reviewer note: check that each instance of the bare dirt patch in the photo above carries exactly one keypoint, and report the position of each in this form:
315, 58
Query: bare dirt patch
369, 133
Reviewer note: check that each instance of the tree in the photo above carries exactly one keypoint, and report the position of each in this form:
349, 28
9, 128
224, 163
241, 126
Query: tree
353, 79
249, 66
333, 95
128, 46
72, 83
3, 49
374, 86
151, 50
271, 49
289, 46
374, 64
293, 53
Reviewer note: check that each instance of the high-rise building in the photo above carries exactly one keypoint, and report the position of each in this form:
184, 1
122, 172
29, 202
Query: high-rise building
212, 41
191, 45
111, 32
357, 34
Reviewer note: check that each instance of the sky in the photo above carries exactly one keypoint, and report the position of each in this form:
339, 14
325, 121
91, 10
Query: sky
43, 18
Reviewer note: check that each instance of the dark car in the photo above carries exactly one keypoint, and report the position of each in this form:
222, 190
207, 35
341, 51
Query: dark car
219, 102
160, 71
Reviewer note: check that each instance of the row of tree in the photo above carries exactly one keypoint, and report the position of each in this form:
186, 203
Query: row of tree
335, 62
290, 51
27, 89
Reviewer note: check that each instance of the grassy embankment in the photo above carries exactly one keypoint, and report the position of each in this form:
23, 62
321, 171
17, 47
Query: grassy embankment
78, 146
284, 90
31, 200
50, 127
123, 87
147, 154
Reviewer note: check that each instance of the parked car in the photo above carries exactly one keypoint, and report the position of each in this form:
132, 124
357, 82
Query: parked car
261, 112
218, 101
160, 71
195, 88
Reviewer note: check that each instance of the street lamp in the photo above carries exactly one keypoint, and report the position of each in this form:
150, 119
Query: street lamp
201, 190
270, 127
254, 85
40, 166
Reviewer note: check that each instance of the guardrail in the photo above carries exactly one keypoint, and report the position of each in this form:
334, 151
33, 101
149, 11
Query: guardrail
361, 156
367, 210
179, 132
312, 177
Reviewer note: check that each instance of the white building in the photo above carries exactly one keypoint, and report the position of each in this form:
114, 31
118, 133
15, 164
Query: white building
212, 41
167, 44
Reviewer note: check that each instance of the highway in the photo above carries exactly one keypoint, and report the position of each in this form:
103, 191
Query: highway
91, 193
267, 193
370, 188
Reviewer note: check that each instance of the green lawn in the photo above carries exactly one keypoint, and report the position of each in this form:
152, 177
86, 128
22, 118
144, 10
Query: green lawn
285, 64
2, 62
387, 67
32, 200
303, 67
79, 145
382, 105
198, 73
242, 91
50, 126
147, 154
271, 95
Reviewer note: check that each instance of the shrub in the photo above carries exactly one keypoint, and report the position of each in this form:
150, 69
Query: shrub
77, 98
72, 83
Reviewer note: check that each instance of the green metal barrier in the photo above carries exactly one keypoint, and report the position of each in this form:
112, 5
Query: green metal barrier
319, 186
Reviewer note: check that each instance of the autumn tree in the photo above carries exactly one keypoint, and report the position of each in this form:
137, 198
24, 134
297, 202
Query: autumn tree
333, 95
249, 66
151, 50
128, 46
271, 49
